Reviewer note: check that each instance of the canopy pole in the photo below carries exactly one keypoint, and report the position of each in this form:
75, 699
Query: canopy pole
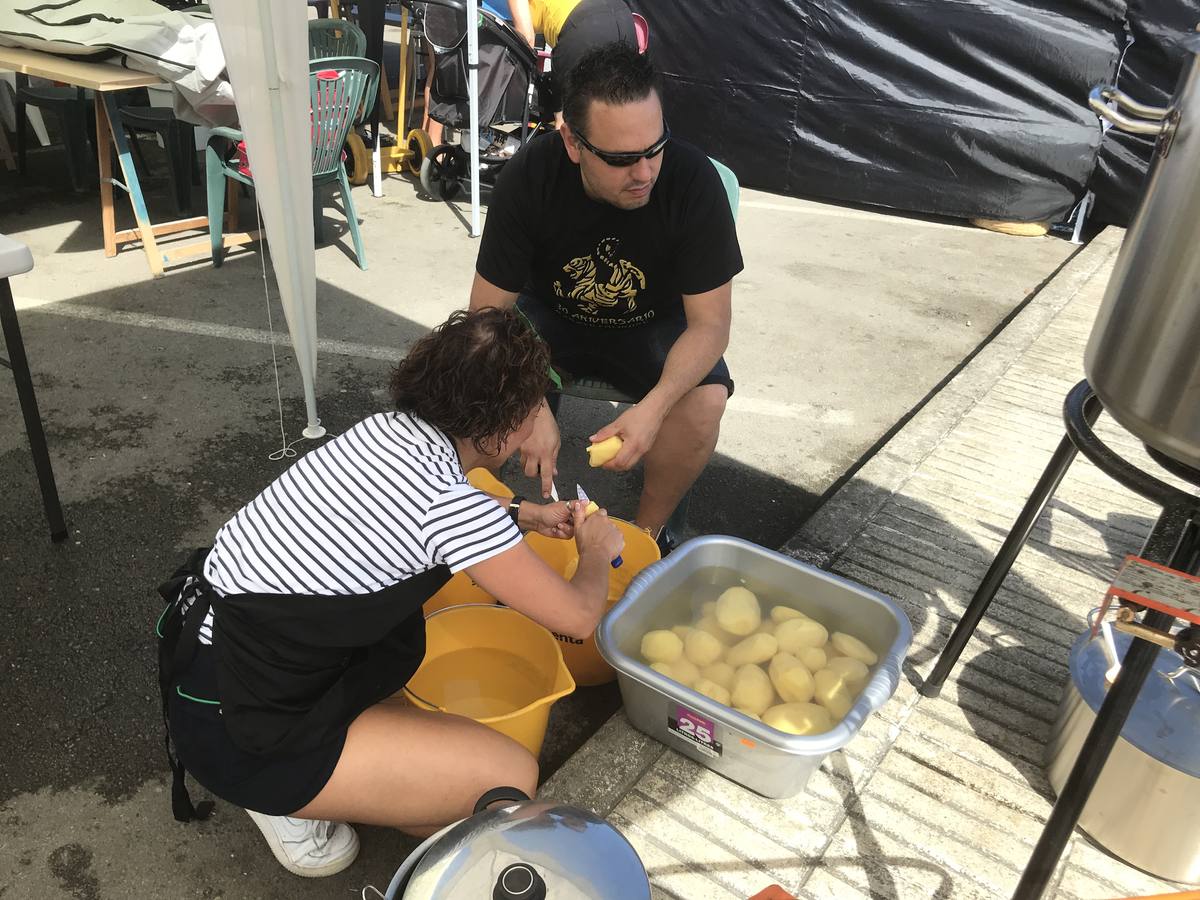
473, 92
371, 14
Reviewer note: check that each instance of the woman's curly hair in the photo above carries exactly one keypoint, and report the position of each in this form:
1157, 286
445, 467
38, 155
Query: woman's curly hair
477, 376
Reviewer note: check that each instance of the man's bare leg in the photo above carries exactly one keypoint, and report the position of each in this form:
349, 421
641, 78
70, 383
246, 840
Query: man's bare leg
684, 445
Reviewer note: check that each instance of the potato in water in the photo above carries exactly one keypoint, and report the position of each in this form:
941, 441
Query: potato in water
758, 648
752, 689
798, 718
702, 648
738, 611
661, 646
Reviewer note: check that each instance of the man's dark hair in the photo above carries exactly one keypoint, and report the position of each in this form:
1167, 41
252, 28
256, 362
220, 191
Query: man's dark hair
611, 73
477, 376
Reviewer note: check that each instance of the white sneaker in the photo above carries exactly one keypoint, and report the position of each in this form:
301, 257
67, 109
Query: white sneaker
311, 848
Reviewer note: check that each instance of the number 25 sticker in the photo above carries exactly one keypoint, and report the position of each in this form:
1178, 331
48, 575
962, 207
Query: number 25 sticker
698, 731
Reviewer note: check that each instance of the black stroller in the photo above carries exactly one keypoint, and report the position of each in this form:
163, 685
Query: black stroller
509, 85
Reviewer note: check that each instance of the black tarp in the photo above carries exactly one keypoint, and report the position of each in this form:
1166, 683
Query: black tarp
967, 108
1149, 71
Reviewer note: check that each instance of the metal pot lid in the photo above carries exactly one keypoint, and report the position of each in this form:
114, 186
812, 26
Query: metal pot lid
1165, 720
529, 851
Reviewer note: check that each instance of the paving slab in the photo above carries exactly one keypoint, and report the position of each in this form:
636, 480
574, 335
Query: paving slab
949, 795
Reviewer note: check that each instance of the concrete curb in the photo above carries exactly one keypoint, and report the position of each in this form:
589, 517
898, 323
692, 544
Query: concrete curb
599, 774
844, 515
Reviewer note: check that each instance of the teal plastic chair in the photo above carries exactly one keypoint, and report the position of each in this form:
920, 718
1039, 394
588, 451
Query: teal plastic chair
590, 388
335, 104
335, 37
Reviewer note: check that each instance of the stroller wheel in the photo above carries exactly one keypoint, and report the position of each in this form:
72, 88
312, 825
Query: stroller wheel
419, 147
358, 160
441, 171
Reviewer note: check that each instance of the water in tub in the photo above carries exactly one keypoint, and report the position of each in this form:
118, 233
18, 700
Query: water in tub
482, 683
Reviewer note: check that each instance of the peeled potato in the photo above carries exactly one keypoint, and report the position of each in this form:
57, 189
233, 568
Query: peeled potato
849, 645
720, 672
854, 671
738, 611
757, 648
795, 634
685, 672
599, 454
709, 624
798, 718
791, 678
591, 508
833, 693
747, 712
783, 613
752, 689
713, 690
663, 669
701, 647
814, 658
681, 632
765, 627
709, 608
661, 646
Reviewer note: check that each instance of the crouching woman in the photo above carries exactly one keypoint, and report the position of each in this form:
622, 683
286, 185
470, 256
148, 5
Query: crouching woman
282, 644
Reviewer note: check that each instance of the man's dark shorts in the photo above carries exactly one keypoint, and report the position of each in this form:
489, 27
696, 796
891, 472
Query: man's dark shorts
631, 359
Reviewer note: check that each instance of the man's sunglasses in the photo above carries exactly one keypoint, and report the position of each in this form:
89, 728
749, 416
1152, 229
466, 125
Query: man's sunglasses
624, 160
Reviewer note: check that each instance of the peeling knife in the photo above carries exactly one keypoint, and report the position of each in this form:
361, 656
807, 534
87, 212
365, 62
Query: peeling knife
584, 498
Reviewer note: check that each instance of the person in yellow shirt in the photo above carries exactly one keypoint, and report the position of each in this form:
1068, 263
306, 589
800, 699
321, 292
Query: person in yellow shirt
571, 28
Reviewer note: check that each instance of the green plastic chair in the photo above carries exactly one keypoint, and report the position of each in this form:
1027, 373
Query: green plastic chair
590, 388
335, 37
335, 103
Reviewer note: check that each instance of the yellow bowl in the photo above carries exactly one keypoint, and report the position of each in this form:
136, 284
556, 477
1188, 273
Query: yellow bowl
582, 656
488, 483
493, 665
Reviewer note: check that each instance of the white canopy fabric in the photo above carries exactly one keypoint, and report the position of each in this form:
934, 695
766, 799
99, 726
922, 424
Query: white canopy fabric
266, 54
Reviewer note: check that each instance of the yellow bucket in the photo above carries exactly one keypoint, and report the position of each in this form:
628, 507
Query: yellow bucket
488, 483
581, 656
493, 665
460, 589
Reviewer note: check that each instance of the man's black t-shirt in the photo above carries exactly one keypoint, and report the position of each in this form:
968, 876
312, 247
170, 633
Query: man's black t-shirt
598, 265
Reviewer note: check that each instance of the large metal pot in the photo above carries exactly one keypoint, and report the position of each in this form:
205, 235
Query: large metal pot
1143, 358
1142, 807
523, 850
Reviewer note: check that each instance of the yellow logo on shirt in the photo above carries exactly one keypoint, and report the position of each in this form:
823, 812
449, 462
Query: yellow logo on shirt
602, 279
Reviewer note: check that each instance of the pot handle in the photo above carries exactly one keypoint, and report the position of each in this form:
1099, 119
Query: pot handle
499, 793
1143, 119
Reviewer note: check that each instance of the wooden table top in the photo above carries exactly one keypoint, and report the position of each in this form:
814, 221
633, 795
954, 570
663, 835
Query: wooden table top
79, 71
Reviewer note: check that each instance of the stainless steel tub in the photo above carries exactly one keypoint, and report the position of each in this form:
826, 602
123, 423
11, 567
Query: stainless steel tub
741, 748
1141, 807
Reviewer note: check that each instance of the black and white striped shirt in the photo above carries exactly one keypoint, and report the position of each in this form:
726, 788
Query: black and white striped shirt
386, 500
